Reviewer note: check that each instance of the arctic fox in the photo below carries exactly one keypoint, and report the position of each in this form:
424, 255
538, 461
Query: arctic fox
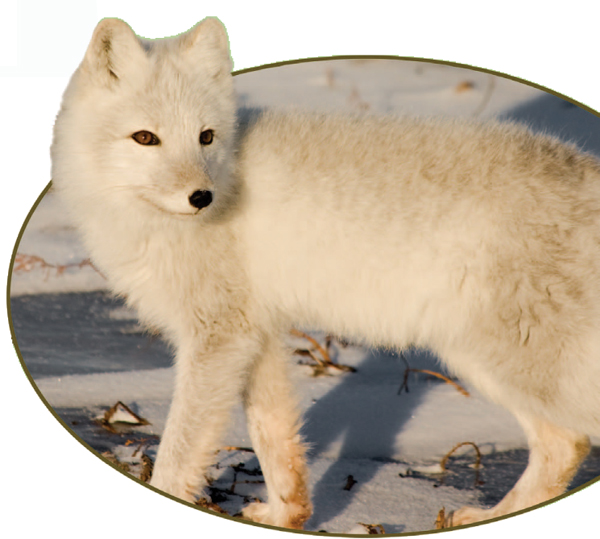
478, 241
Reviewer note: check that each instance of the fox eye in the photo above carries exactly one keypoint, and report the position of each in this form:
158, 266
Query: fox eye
206, 137
146, 138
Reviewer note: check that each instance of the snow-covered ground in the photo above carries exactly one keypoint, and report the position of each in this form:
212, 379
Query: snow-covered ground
358, 423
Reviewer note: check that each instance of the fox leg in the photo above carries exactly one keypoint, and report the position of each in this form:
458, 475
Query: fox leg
273, 424
555, 454
207, 385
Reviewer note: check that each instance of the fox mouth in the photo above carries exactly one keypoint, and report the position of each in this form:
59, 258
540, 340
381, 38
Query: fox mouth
168, 211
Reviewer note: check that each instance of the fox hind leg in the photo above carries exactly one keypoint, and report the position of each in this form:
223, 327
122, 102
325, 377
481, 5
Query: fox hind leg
555, 454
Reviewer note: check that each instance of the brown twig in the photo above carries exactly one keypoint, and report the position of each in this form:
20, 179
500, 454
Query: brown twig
350, 482
314, 357
106, 426
373, 529
314, 342
24, 263
206, 504
447, 455
112, 458
445, 378
441, 519
464, 86
142, 443
147, 468
476, 481
241, 467
322, 364
235, 448
408, 370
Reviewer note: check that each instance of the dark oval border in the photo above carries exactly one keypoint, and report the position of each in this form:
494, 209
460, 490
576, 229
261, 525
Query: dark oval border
228, 517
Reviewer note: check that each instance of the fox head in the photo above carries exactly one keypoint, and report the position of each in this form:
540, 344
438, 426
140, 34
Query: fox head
148, 122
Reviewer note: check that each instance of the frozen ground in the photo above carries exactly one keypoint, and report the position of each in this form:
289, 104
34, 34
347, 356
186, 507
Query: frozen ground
85, 351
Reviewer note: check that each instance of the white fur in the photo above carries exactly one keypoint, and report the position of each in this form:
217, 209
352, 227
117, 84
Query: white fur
481, 242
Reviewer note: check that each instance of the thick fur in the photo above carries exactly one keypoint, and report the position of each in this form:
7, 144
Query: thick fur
479, 241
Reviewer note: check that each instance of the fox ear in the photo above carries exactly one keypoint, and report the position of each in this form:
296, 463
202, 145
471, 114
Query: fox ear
208, 44
113, 51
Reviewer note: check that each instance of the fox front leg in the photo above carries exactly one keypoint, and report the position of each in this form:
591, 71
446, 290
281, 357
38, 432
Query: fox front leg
273, 424
207, 385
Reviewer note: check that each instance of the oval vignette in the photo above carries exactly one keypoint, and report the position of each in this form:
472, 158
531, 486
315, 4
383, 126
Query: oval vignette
68, 330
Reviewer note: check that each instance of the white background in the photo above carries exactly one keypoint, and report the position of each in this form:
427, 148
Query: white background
50, 483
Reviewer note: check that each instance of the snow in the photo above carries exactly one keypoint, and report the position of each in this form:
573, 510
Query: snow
371, 419
357, 423
50, 236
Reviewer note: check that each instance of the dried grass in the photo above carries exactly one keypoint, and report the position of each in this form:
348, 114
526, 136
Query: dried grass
323, 363
373, 529
441, 519
444, 461
408, 370
350, 482
25, 263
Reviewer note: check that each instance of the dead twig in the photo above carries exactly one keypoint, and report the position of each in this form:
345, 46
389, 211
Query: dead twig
321, 363
477, 464
447, 455
207, 504
147, 468
24, 263
408, 370
241, 467
373, 529
441, 519
350, 482
112, 458
138, 449
314, 342
235, 448
464, 86
314, 357
445, 378
106, 426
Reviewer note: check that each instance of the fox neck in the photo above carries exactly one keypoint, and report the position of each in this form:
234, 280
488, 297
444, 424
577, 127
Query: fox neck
164, 266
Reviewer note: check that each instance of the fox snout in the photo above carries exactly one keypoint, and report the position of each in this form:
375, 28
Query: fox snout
201, 199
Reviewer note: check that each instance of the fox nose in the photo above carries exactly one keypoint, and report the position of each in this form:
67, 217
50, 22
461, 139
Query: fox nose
200, 199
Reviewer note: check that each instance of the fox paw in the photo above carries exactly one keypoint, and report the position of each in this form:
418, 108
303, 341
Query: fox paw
257, 512
287, 516
466, 515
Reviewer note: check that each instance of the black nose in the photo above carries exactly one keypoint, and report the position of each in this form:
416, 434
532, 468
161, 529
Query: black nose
200, 199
